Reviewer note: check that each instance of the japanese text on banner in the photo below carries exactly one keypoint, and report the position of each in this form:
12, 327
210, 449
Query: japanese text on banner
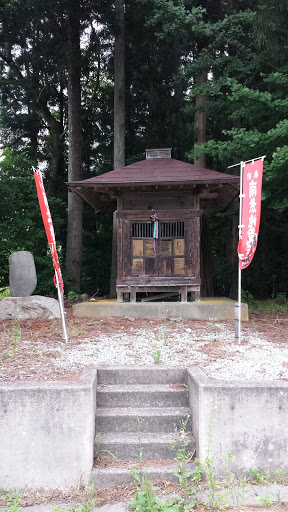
251, 211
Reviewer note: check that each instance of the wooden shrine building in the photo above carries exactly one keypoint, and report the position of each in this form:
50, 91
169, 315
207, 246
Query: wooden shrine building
158, 203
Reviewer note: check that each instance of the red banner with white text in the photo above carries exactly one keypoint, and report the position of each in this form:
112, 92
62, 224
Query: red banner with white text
47, 220
251, 211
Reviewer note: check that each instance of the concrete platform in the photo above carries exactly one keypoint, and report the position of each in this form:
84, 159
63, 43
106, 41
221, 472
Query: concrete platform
214, 308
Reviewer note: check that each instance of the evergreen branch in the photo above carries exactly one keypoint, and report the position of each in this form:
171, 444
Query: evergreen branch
10, 144
95, 89
11, 63
44, 112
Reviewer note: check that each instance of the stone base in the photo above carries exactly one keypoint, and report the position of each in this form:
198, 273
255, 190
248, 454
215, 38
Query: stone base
206, 309
25, 308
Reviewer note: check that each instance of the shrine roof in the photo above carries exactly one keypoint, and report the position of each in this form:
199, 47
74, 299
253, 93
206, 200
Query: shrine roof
215, 189
158, 171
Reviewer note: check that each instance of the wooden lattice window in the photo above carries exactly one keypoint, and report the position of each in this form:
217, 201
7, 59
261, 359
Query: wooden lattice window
164, 256
172, 229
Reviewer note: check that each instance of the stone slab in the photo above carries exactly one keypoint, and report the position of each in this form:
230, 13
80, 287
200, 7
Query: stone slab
108, 478
25, 308
22, 274
206, 309
47, 432
140, 375
247, 419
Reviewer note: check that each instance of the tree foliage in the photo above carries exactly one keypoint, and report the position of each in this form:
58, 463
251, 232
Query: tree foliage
239, 49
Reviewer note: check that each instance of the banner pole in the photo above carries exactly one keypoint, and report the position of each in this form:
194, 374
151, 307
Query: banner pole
238, 304
61, 305
48, 225
247, 161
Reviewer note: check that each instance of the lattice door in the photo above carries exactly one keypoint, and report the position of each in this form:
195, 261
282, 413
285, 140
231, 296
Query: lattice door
164, 256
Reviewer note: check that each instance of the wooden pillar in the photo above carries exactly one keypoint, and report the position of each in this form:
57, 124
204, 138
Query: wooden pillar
183, 293
133, 294
119, 296
113, 275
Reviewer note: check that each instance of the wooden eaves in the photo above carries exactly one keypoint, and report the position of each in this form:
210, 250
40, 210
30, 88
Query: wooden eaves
164, 175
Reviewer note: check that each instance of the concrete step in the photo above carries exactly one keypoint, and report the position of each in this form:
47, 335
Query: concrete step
154, 446
108, 478
152, 419
141, 375
141, 395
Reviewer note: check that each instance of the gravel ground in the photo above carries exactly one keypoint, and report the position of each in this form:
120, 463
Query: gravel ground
35, 349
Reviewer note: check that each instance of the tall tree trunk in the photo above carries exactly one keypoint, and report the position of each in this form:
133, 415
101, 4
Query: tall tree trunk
178, 135
119, 119
74, 227
200, 121
119, 86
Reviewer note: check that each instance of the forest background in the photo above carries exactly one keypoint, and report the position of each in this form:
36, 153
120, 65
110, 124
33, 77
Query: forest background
86, 86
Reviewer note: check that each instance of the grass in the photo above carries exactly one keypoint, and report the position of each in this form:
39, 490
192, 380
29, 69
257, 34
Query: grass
4, 292
157, 356
276, 303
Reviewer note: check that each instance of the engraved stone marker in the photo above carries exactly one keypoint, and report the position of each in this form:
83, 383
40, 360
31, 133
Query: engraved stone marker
22, 274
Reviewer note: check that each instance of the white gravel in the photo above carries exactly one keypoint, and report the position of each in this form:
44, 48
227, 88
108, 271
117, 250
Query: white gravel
213, 349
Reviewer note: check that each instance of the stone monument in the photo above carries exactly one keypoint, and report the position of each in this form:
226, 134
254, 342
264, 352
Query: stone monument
22, 274
23, 280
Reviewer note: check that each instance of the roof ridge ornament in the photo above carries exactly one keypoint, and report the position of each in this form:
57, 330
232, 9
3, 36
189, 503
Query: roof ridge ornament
158, 153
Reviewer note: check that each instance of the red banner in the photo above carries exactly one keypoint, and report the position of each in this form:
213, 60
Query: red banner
251, 211
47, 220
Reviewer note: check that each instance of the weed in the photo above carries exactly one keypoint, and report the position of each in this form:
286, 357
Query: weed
243, 490
140, 448
134, 472
33, 352
54, 325
269, 305
145, 500
87, 506
72, 295
237, 488
164, 335
9, 353
214, 500
230, 480
4, 292
281, 298
183, 472
156, 356
189, 478
280, 475
265, 501
98, 451
57, 508
247, 297
16, 334
259, 475
183, 424
12, 502
208, 468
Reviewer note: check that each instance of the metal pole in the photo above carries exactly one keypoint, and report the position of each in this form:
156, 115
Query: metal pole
238, 304
62, 312
247, 161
